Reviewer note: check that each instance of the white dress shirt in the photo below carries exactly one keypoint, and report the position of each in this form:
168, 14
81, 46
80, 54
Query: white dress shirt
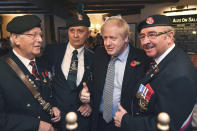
67, 60
24, 60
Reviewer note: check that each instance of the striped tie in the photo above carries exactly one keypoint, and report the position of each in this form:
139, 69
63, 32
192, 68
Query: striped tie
108, 92
34, 69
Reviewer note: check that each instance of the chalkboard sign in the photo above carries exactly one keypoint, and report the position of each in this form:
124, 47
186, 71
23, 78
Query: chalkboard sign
186, 32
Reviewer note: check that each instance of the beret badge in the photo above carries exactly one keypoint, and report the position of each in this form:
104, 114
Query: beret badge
150, 20
79, 16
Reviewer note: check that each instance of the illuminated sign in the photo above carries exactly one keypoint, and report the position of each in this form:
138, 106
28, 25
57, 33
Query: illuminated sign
184, 19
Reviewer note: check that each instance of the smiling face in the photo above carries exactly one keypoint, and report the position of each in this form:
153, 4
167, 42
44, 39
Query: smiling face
155, 46
77, 36
114, 43
29, 43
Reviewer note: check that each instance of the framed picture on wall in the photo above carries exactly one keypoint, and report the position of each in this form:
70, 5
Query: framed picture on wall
133, 33
62, 35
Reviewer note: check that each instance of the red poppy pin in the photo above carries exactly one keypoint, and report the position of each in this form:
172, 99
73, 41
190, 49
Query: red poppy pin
134, 63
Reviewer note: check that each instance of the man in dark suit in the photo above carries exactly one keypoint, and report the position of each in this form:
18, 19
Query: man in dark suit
19, 110
129, 68
66, 92
170, 86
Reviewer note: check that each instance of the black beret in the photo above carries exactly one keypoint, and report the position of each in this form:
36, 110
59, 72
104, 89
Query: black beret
23, 23
78, 20
154, 20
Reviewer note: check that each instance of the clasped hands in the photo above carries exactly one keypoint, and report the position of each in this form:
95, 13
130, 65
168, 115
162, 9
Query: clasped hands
45, 126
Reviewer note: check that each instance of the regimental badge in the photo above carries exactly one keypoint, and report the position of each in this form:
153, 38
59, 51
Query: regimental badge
79, 16
149, 20
143, 95
73, 66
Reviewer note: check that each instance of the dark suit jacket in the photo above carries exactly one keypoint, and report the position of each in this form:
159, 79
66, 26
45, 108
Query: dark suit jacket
175, 87
131, 76
67, 99
19, 111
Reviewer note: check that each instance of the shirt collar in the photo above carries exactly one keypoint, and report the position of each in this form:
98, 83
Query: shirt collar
123, 56
160, 58
24, 60
71, 49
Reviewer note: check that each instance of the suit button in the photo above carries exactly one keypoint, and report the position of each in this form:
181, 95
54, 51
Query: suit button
38, 117
28, 105
137, 113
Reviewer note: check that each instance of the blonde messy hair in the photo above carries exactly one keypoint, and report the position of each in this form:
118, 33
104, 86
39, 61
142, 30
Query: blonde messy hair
120, 23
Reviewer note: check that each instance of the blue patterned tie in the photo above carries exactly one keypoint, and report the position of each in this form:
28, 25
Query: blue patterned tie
108, 92
72, 75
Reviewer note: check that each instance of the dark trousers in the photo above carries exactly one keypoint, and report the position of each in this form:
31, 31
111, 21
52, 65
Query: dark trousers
103, 126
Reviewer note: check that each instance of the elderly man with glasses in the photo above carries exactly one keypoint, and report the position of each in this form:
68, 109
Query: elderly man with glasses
25, 91
169, 86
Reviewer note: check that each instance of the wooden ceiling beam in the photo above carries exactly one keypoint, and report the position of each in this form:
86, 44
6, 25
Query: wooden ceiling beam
96, 7
19, 8
101, 2
15, 3
117, 11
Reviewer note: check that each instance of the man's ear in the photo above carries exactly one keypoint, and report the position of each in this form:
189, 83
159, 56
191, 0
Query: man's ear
126, 39
15, 38
89, 33
170, 36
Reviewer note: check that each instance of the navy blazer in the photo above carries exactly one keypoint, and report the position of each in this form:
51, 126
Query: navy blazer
67, 99
175, 93
19, 110
131, 76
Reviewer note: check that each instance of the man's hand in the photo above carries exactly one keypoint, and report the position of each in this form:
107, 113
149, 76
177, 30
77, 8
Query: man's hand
85, 94
44, 126
57, 114
118, 116
85, 110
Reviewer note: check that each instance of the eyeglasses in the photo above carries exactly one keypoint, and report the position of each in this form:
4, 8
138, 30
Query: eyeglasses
152, 35
33, 36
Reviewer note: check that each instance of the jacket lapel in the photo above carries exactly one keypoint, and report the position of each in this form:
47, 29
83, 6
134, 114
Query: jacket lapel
129, 73
87, 66
19, 63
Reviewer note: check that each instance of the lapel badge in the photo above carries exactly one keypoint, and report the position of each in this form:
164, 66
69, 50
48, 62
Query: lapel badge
134, 63
87, 67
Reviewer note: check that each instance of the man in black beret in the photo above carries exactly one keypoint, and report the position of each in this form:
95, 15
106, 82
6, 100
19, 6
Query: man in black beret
169, 86
19, 109
72, 63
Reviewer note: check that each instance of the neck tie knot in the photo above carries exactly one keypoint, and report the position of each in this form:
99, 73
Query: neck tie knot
113, 59
32, 63
34, 69
75, 52
153, 68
